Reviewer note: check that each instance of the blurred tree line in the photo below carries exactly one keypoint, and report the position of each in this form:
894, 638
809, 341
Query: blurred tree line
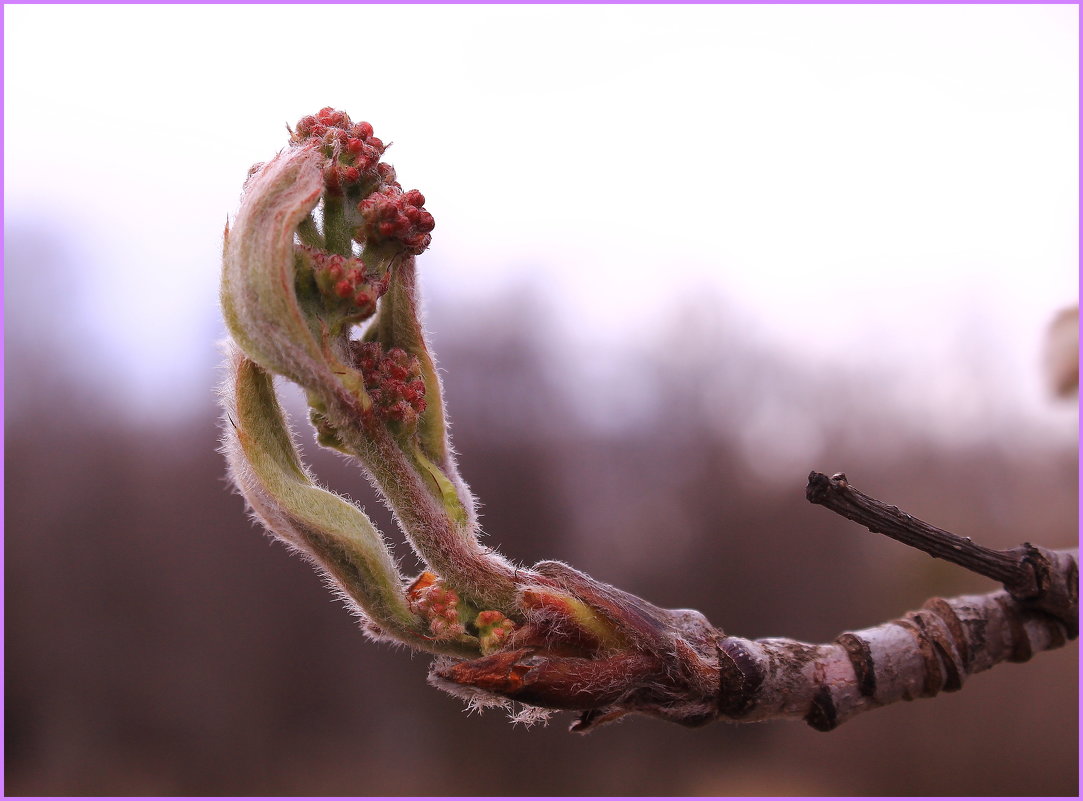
158, 644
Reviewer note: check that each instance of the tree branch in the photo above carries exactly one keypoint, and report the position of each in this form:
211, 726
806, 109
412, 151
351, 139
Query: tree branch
680, 668
1037, 577
547, 636
919, 655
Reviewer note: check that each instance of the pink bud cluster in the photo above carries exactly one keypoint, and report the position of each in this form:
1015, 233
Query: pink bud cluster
353, 152
354, 167
439, 605
391, 214
345, 278
493, 630
393, 382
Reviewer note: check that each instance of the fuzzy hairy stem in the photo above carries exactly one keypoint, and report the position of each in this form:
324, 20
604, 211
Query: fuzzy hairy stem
450, 548
332, 533
398, 324
422, 486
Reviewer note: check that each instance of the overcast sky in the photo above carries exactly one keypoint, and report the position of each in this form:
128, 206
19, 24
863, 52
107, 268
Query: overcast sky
859, 182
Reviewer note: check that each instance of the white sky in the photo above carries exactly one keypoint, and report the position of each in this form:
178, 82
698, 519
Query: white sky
862, 182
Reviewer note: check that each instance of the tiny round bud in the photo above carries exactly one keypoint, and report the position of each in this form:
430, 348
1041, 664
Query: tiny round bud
330, 178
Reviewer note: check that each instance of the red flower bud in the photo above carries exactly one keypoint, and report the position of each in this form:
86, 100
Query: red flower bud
393, 215
393, 381
352, 152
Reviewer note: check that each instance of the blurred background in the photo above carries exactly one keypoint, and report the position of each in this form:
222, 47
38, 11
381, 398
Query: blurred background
683, 256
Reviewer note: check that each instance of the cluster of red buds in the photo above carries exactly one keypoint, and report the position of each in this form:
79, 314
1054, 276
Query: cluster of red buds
448, 617
345, 278
494, 629
354, 169
391, 214
438, 604
393, 381
353, 152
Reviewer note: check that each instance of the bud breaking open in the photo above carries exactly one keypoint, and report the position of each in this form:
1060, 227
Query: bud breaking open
319, 286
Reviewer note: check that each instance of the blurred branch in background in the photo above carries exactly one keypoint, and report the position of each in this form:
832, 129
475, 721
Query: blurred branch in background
1062, 353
